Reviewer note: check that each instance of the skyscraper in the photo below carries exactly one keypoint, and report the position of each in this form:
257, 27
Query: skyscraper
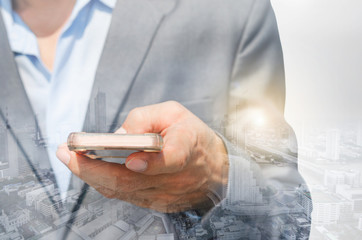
360, 223
100, 112
248, 191
332, 178
359, 134
3, 145
332, 144
12, 155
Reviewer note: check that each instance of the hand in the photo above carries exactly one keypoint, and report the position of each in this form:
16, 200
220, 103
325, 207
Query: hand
192, 164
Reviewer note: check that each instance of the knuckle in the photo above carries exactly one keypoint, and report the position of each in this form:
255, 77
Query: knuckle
178, 161
181, 160
176, 105
136, 114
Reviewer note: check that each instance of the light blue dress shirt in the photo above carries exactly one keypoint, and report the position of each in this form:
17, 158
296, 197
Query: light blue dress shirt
60, 98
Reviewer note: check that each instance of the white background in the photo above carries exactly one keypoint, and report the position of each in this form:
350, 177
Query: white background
322, 44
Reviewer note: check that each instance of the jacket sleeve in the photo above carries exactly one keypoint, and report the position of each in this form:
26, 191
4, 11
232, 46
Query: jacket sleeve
263, 179
256, 126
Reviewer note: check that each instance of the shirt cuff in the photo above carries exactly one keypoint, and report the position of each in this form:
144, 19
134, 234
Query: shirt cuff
242, 184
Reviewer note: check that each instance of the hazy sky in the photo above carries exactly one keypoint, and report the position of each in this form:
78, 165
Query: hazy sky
322, 43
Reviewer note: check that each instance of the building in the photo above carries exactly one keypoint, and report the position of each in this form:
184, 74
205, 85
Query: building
233, 232
305, 200
200, 231
39, 227
353, 178
245, 187
359, 135
96, 114
333, 144
95, 227
289, 235
34, 193
144, 223
100, 112
15, 219
78, 218
10, 155
346, 212
27, 187
168, 236
10, 188
352, 194
12, 235
48, 208
326, 209
360, 223
292, 141
332, 178
4, 158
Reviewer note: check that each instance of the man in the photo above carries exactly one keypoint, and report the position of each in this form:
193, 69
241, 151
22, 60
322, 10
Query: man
197, 72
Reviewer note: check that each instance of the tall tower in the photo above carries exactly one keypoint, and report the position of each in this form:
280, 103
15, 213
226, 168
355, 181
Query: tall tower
100, 112
4, 152
87, 127
9, 150
332, 144
359, 134
4, 157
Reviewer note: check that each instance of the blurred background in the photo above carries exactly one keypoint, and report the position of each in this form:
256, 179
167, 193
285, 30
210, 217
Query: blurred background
322, 44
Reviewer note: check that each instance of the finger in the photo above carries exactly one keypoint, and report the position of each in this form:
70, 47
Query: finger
173, 158
153, 118
101, 174
160, 200
121, 130
165, 202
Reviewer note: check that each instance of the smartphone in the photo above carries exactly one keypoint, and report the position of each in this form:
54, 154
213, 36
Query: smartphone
113, 145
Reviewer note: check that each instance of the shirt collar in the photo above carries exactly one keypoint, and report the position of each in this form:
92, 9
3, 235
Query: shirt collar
81, 3
109, 3
78, 7
21, 39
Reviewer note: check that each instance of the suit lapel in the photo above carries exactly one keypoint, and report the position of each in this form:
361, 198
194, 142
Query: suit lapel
134, 26
24, 148
17, 113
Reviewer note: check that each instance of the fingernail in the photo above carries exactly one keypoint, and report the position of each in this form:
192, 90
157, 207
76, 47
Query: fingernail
121, 131
137, 165
63, 154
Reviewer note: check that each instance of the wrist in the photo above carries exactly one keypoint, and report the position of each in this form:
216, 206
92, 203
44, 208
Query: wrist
219, 176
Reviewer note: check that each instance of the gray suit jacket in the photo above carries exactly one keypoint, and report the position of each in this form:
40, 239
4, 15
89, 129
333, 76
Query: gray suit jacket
219, 59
